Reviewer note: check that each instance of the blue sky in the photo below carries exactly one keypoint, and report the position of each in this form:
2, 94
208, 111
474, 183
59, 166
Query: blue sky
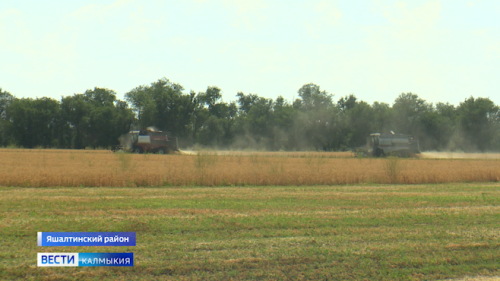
444, 51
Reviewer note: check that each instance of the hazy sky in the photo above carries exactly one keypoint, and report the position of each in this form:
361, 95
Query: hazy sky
441, 50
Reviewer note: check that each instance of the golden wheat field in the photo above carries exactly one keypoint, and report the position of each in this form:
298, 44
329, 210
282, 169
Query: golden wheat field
43, 168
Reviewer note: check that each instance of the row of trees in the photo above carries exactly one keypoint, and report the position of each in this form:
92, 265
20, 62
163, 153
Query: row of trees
94, 118
314, 121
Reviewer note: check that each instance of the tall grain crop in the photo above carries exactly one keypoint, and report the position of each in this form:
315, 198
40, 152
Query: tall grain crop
43, 168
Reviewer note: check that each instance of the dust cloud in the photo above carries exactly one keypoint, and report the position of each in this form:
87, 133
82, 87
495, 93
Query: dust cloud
188, 152
126, 141
458, 155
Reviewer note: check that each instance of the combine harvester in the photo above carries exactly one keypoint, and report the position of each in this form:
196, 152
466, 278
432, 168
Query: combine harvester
147, 140
390, 144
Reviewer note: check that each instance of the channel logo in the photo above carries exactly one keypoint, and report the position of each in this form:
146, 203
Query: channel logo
57, 259
85, 259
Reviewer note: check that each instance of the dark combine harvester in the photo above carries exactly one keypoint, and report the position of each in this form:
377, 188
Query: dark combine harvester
390, 143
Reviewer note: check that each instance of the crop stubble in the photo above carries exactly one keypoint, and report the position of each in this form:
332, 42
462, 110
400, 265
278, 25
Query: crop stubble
385, 232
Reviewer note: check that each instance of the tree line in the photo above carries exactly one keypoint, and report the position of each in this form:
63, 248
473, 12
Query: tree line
313, 121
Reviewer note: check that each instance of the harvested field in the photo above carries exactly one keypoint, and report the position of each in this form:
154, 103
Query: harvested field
358, 232
45, 168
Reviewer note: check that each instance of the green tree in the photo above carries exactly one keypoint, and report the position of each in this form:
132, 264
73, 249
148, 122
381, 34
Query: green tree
438, 126
76, 111
95, 118
283, 120
108, 117
214, 119
317, 123
245, 102
382, 114
255, 121
479, 122
360, 118
164, 105
6, 99
408, 110
33, 122
313, 98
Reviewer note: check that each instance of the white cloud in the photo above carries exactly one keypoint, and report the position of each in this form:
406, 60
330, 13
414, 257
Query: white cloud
100, 12
326, 15
14, 30
411, 21
248, 14
29, 56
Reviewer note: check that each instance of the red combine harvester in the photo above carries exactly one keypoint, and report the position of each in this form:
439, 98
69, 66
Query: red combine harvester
147, 141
